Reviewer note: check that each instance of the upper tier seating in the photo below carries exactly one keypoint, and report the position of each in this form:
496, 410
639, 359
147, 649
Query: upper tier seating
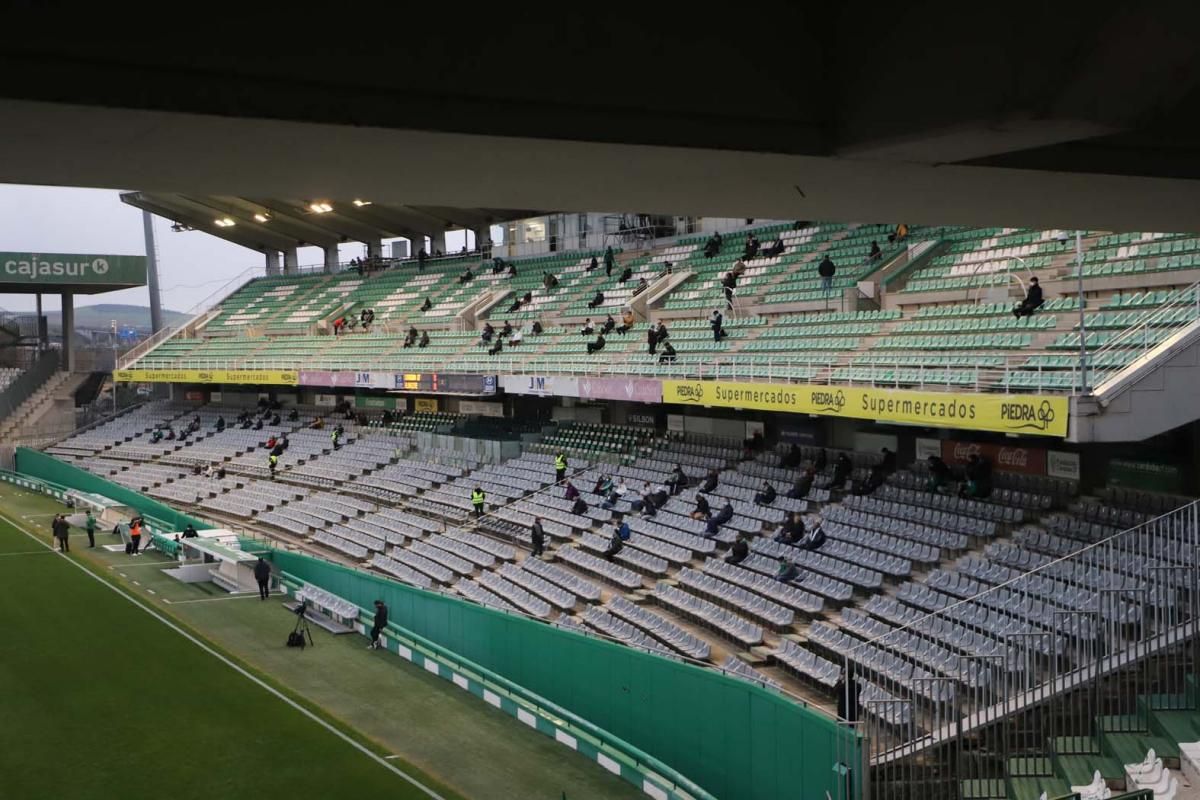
286, 322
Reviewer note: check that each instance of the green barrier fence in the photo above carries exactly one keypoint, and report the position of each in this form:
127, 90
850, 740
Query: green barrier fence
735, 739
50, 469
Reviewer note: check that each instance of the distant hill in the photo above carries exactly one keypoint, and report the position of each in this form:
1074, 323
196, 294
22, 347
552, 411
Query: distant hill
102, 316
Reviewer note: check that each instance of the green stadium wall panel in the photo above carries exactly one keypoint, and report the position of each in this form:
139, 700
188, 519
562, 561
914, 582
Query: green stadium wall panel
34, 464
606, 754
733, 738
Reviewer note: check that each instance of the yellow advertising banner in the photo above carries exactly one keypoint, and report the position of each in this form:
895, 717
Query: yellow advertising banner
425, 405
257, 377
1024, 415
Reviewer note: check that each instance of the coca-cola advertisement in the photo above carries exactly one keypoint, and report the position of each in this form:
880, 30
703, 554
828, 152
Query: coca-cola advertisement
1004, 457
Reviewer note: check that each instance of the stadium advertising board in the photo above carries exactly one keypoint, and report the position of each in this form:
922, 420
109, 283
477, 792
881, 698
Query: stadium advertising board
540, 385
1063, 465
634, 390
1003, 457
425, 405
255, 377
333, 380
35, 271
1025, 415
400, 381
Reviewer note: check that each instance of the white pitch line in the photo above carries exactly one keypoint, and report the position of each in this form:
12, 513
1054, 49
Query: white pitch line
213, 599
237, 668
27, 553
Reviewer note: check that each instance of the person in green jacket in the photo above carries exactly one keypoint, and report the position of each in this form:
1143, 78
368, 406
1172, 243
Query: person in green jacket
478, 498
90, 525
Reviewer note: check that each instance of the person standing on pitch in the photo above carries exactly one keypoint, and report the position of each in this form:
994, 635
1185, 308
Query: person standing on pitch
90, 525
538, 536
262, 574
560, 467
135, 535
381, 619
60, 528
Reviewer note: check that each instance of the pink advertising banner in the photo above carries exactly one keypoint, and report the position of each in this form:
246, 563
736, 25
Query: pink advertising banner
343, 379
635, 390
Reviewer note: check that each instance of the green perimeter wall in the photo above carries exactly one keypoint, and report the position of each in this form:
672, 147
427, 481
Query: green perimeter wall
733, 738
48, 468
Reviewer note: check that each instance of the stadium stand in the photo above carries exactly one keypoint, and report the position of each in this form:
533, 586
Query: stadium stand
928, 604
938, 330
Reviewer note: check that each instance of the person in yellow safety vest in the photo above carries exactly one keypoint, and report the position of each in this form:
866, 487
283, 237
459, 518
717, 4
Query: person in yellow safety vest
560, 467
272, 463
477, 499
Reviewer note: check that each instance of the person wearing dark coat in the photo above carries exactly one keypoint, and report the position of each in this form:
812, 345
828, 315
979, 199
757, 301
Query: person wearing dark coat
792, 459
826, 269
381, 620
766, 496
702, 508
710, 481
537, 537
262, 574
1033, 300
608, 261
579, 507
652, 339
841, 470
678, 480
939, 474
802, 486
741, 549
61, 529
811, 540
728, 285
614, 545
791, 529
821, 461
597, 300
608, 325
626, 274
596, 346
720, 518
875, 254
668, 354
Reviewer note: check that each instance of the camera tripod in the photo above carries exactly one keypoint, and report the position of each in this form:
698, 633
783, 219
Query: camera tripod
301, 634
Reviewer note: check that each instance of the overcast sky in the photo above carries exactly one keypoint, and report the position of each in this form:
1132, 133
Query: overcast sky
191, 265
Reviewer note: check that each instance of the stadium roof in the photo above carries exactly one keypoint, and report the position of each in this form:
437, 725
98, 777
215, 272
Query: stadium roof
278, 224
1069, 116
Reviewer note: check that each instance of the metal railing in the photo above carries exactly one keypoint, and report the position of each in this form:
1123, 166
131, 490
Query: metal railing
1013, 376
981, 688
1139, 339
28, 382
194, 314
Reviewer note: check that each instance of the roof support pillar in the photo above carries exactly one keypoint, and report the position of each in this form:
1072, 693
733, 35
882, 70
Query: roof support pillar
331, 259
68, 332
272, 259
291, 261
374, 248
